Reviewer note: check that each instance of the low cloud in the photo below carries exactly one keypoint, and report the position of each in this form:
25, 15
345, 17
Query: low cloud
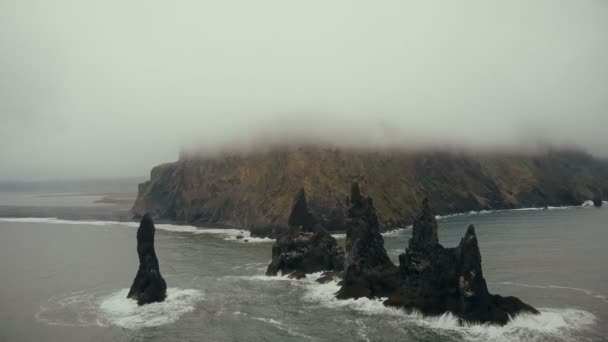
112, 88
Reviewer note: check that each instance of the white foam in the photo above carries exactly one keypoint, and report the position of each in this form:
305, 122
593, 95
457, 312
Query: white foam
93, 308
550, 324
276, 324
54, 220
485, 212
235, 235
118, 310
396, 232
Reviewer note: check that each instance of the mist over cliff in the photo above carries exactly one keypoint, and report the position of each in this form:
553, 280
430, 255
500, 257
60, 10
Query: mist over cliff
256, 189
112, 88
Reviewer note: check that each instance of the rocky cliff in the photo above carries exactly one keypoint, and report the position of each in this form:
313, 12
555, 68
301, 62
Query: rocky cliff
256, 189
435, 280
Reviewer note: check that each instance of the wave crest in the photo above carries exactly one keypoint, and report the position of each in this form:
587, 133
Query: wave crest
92, 308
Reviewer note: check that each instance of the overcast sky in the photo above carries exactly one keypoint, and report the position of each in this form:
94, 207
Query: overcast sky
112, 88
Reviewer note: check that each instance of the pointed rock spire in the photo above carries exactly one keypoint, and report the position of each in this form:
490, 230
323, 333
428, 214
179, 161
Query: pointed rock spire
148, 285
598, 199
424, 228
306, 247
368, 271
355, 193
300, 217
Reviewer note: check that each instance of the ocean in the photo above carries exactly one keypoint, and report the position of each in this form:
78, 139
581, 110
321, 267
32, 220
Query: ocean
67, 280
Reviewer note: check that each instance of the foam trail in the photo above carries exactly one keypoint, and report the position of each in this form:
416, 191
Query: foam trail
118, 310
587, 203
395, 232
552, 324
93, 308
235, 235
485, 212
587, 292
277, 324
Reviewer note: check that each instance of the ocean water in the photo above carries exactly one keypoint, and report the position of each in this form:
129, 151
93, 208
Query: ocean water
64, 280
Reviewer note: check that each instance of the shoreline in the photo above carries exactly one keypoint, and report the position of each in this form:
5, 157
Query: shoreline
242, 234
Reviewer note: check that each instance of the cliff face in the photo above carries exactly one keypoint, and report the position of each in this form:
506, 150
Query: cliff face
256, 189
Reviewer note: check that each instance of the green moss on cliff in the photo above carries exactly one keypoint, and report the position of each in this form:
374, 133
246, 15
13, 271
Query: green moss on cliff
257, 189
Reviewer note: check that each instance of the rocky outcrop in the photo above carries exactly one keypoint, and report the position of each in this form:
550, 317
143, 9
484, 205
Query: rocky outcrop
435, 280
305, 246
148, 285
368, 271
598, 200
256, 189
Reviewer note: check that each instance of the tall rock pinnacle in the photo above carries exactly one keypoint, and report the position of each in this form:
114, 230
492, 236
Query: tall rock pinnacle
435, 280
148, 285
300, 217
425, 228
305, 246
368, 271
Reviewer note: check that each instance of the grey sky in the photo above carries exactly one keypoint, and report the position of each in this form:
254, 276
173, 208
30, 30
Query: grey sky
111, 88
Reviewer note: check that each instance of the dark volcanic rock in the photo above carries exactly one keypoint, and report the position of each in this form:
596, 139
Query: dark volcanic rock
300, 217
148, 285
368, 271
435, 280
424, 230
305, 246
598, 200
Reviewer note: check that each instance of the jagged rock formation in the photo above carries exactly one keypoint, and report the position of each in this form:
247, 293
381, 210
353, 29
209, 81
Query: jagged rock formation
300, 216
148, 285
598, 200
435, 280
368, 271
305, 246
256, 189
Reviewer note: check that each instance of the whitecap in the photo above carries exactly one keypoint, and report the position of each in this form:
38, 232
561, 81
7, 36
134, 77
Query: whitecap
235, 235
92, 308
485, 212
118, 310
54, 220
395, 232
551, 324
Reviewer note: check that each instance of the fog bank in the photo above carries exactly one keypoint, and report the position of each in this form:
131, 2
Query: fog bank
112, 88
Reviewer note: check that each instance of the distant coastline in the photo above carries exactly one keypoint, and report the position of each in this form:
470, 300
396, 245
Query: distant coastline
253, 190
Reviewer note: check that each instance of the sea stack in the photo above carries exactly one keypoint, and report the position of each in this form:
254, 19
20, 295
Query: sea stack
304, 246
368, 271
148, 285
435, 280
598, 201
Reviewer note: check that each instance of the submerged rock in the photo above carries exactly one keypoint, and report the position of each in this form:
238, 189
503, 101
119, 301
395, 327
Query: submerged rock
368, 271
435, 280
148, 285
305, 246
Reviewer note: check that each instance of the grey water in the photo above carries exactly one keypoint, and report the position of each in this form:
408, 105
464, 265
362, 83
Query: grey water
64, 280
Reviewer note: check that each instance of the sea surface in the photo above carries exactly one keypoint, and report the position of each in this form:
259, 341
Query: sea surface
67, 280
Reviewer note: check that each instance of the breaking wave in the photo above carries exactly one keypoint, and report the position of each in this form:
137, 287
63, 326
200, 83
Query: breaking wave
585, 204
236, 235
552, 324
82, 308
118, 310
